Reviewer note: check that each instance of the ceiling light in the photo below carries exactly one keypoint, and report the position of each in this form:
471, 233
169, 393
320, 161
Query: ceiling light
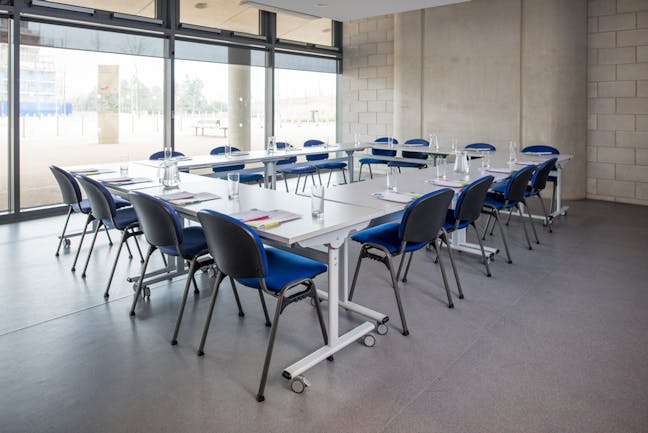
200, 5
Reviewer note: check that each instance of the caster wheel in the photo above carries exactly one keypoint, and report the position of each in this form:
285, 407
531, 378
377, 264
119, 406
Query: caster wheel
381, 329
369, 340
299, 384
67, 243
147, 292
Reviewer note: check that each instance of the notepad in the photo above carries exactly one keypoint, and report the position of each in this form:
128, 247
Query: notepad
524, 162
262, 219
500, 170
395, 196
124, 181
538, 153
184, 198
449, 183
240, 153
92, 171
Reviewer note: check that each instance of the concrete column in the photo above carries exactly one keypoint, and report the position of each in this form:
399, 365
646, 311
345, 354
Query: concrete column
408, 75
239, 101
554, 82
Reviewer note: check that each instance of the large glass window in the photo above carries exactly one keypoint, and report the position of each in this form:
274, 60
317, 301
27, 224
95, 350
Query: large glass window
4, 117
85, 107
305, 99
144, 8
220, 14
318, 31
219, 99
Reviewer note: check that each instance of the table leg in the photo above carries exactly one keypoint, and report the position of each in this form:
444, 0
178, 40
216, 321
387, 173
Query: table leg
458, 242
350, 165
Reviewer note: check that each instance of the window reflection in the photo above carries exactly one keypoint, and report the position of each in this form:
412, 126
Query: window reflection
221, 14
314, 31
145, 8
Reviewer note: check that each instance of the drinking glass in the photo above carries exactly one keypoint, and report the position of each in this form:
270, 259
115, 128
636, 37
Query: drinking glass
356, 139
317, 201
233, 181
441, 167
392, 179
123, 165
271, 145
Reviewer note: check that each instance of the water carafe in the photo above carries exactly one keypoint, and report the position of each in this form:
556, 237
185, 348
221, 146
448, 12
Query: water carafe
461, 163
169, 174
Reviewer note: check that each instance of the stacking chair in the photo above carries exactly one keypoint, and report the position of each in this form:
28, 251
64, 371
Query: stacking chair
467, 209
538, 183
244, 177
511, 197
289, 166
411, 154
71, 193
326, 165
160, 155
286, 276
480, 146
375, 161
551, 178
163, 230
422, 224
105, 211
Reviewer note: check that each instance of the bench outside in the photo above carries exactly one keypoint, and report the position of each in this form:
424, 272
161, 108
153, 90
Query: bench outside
203, 124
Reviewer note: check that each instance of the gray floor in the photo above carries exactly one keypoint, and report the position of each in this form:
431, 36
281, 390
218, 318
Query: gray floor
556, 342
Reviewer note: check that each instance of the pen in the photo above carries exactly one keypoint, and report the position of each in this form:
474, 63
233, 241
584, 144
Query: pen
264, 217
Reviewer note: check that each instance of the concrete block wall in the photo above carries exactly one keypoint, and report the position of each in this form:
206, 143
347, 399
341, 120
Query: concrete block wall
617, 145
367, 82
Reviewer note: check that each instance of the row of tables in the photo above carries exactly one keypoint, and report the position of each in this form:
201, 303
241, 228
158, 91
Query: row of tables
348, 208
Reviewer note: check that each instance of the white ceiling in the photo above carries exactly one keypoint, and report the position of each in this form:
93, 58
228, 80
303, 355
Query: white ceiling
345, 10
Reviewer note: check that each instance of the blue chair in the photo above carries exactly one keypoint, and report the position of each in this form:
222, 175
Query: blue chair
163, 230
410, 154
550, 178
375, 161
160, 155
538, 183
480, 146
421, 225
105, 211
288, 166
511, 197
283, 275
467, 209
243, 177
71, 193
326, 165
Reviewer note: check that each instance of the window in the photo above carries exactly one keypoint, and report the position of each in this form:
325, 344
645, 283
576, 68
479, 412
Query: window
85, 107
4, 117
219, 99
305, 99
144, 8
317, 31
220, 14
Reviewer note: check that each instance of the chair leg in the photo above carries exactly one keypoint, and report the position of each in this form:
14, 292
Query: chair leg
130, 253
265, 309
544, 211
268, 357
219, 277
508, 220
85, 227
236, 296
195, 284
357, 271
112, 272
481, 246
504, 241
344, 176
139, 250
445, 277
370, 172
526, 234
286, 182
409, 262
320, 318
94, 238
318, 176
110, 242
328, 183
535, 234
67, 219
487, 225
387, 262
297, 185
444, 238
360, 173
192, 270
164, 260
400, 266
140, 283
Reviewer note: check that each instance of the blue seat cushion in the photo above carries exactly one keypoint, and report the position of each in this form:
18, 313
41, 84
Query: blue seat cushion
499, 187
248, 177
85, 204
372, 161
298, 169
284, 268
451, 222
497, 201
123, 217
193, 242
405, 164
386, 235
333, 165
